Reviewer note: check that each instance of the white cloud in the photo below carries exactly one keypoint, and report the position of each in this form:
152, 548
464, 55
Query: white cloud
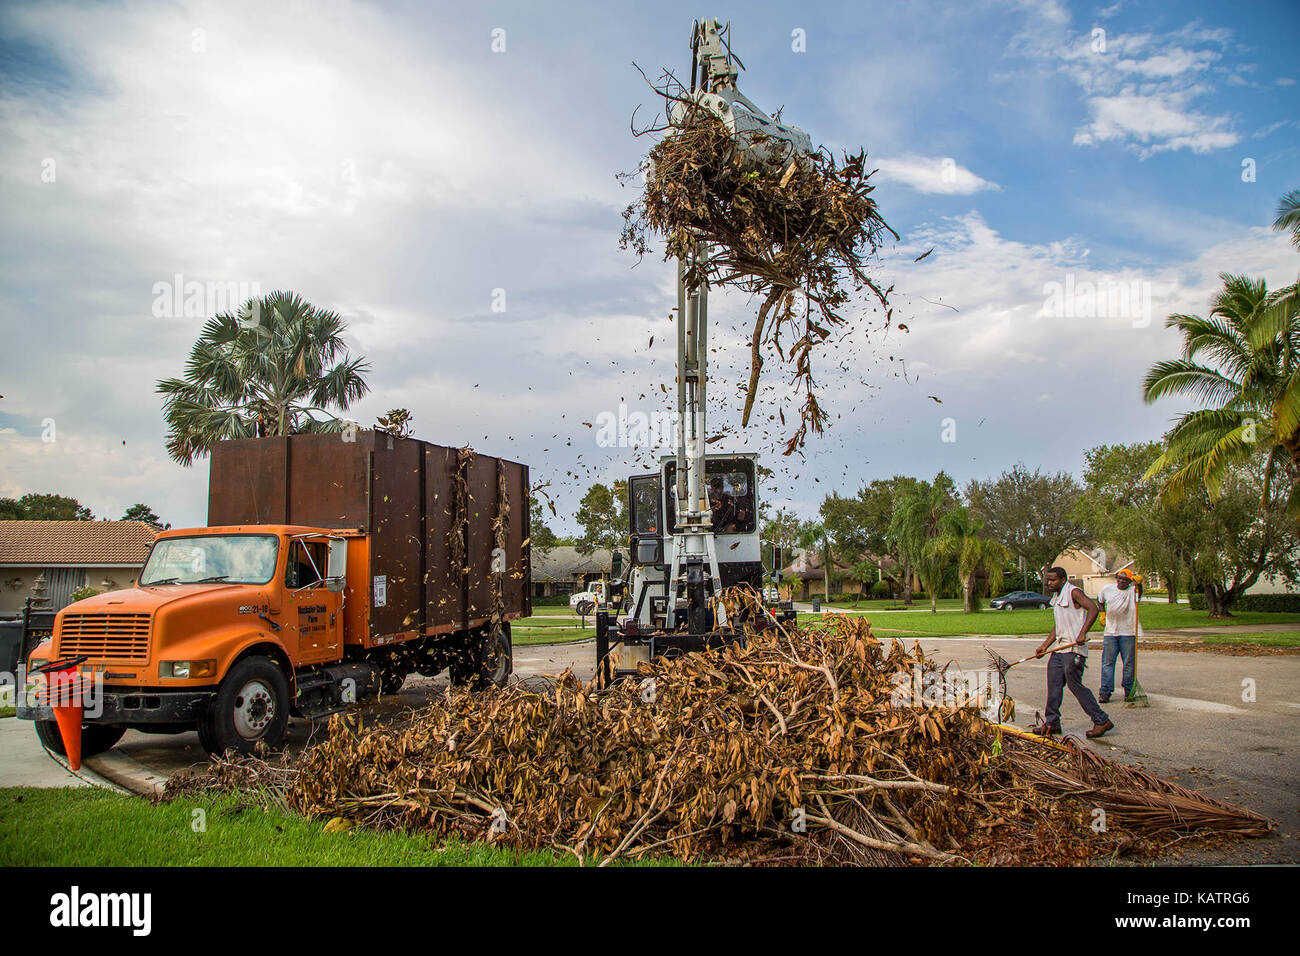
932, 174
1140, 89
1157, 121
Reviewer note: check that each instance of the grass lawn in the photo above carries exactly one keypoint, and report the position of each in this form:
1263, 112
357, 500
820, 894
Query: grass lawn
7, 711
85, 826
547, 610
1267, 640
549, 635
1033, 621
891, 605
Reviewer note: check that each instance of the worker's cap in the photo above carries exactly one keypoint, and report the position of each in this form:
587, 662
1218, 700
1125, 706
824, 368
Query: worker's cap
1125, 573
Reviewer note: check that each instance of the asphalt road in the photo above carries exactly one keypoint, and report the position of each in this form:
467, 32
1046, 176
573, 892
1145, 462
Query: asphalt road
1202, 728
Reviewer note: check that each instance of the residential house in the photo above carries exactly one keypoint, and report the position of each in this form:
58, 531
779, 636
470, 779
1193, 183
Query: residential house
563, 570
68, 556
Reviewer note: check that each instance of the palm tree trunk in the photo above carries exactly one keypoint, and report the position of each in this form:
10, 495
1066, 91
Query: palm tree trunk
968, 594
907, 583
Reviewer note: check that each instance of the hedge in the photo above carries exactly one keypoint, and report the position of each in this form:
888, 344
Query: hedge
1269, 603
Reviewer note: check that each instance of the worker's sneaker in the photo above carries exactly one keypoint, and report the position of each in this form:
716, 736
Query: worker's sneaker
1099, 729
1103, 698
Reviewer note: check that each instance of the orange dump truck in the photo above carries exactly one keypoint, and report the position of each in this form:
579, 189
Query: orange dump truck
331, 570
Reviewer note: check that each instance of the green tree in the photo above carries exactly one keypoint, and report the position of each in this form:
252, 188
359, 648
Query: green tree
781, 530
541, 538
1249, 383
817, 537
142, 512
861, 525
917, 520
603, 517
977, 557
38, 507
1124, 510
277, 367
1241, 535
1031, 512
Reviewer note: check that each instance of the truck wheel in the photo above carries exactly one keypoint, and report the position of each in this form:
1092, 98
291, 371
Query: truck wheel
251, 707
483, 661
95, 738
391, 679
584, 608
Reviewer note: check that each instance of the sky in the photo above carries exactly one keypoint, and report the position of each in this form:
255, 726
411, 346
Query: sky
444, 176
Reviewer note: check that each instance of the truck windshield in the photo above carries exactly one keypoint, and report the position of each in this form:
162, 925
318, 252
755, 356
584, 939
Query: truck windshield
231, 559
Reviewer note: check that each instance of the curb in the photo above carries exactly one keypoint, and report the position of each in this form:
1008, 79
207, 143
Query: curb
87, 775
125, 773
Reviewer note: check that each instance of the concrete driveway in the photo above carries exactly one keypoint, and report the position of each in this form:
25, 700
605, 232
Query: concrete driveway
1202, 728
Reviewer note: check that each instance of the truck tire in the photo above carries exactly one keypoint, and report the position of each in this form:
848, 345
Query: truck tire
95, 738
251, 707
584, 608
391, 679
484, 660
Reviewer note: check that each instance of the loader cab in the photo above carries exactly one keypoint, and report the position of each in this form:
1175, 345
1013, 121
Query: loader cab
733, 496
730, 481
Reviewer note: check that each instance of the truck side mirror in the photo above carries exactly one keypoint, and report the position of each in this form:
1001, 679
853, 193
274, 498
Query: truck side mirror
616, 565
776, 557
336, 569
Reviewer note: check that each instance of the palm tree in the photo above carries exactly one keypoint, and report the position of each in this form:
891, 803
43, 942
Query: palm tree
979, 557
275, 368
1251, 385
815, 536
918, 516
1288, 216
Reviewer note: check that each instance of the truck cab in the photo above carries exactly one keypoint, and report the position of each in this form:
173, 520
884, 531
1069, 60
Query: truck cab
232, 629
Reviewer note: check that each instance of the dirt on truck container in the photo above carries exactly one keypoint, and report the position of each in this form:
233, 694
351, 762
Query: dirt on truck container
332, 568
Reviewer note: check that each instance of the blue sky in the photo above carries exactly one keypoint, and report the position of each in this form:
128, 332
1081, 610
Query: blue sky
385, 162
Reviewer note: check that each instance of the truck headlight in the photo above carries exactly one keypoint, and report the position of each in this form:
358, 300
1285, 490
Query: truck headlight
187, 669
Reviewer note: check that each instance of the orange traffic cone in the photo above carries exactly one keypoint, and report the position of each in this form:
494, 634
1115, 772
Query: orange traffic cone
65, 697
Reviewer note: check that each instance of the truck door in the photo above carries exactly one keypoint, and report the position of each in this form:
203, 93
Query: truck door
311, 608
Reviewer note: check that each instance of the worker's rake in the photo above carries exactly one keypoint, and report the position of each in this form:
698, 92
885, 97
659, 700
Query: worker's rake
1007, 707
1003, 665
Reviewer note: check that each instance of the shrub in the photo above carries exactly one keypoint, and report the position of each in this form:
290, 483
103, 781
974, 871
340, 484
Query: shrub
1267, 603
882, 590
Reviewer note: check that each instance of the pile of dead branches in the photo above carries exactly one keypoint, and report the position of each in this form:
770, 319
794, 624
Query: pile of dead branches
795, 748
795, 231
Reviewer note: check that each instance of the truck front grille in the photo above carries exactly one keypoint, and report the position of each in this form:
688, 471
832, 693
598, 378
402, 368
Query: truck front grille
113, 637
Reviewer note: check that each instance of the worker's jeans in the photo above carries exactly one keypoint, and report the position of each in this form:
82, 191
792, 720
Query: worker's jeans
1118, 645
1065, 668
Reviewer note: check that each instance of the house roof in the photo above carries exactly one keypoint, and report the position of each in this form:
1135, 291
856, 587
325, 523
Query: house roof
82, 543
1104, 560
807, 565
562, 562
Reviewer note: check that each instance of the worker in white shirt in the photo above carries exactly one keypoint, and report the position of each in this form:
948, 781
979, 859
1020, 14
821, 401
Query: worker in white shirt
1074, 613
1120, 602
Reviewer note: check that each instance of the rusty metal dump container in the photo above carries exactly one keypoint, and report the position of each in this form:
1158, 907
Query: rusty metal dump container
420, 504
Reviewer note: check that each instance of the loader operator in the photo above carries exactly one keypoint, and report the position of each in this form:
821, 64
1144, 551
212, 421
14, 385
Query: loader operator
723, 506
1074, 613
